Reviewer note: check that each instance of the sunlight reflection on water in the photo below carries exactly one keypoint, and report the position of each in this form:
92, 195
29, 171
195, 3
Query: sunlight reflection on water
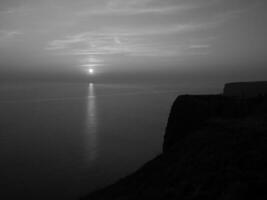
91, 124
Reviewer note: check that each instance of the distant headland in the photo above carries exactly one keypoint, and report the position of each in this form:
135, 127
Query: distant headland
214, 149
246, 89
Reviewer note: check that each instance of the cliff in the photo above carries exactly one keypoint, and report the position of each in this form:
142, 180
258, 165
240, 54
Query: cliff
214, 148
246, 89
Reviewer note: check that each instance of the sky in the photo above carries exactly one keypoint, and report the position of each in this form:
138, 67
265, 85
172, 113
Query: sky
137, 40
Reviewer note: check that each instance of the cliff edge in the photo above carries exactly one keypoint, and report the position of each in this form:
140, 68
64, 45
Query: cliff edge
214, 148
246, 89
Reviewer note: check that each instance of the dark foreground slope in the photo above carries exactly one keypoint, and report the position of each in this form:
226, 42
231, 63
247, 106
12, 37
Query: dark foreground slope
214, 148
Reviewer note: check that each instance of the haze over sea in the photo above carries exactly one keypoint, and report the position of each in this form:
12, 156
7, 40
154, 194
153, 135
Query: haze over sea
62, 140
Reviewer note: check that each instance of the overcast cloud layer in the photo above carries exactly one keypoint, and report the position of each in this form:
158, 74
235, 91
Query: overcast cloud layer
64, 38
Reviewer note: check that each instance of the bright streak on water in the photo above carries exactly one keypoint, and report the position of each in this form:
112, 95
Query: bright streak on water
91, 124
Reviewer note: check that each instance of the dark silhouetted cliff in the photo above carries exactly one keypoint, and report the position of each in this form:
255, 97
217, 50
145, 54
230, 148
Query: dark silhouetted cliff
246, 89
214, 149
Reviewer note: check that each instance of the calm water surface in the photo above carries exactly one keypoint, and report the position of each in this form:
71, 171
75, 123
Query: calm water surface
60, 141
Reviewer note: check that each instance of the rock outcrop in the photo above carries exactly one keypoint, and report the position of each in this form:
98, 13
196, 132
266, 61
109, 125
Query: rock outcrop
214, 149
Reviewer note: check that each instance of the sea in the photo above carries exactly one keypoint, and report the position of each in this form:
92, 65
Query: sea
64, 140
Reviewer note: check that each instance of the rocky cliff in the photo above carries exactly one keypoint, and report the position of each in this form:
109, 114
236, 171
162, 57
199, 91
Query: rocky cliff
214, 148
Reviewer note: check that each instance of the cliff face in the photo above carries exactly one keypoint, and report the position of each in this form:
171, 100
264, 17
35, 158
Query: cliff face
191, 113
214, 148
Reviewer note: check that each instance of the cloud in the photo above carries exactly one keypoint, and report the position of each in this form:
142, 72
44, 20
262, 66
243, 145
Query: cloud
167, 7
135, 7
143, 39
199, 46
132, 11
65, 43
156, 30
113, 35
9, 34
122, 41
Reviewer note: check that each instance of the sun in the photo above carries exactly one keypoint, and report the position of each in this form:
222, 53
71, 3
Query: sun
91, 71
